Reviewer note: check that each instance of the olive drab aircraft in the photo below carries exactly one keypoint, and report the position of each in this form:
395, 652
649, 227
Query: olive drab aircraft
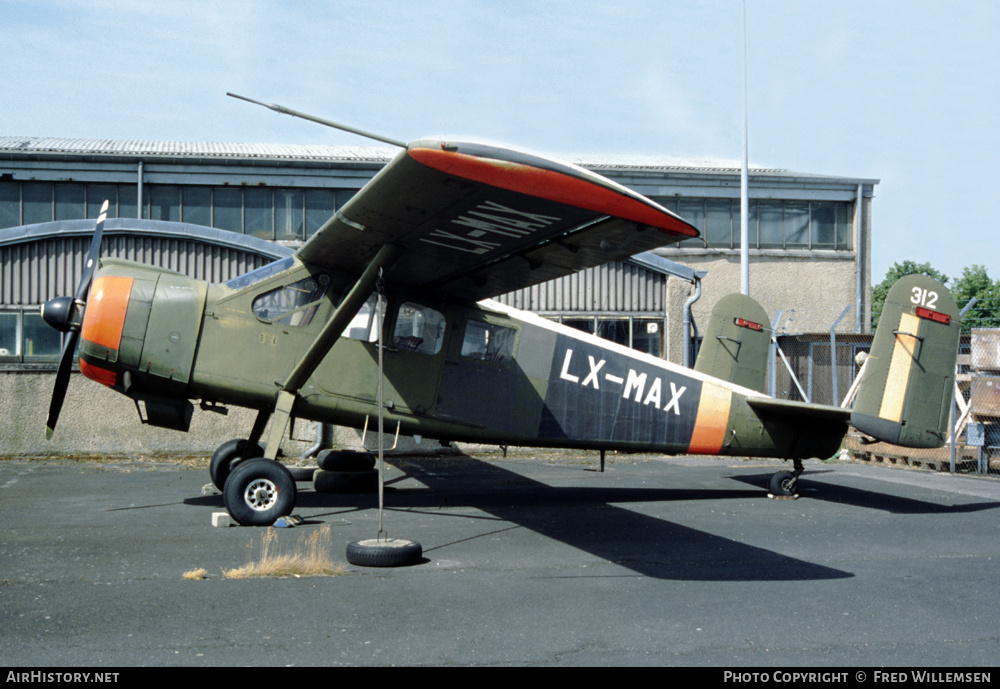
443, 227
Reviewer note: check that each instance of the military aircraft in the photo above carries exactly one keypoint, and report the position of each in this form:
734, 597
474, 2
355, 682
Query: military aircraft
441, 228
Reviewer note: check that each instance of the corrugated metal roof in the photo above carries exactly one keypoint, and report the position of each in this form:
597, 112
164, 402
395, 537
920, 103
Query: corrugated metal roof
663, 162
193, 149
320, 152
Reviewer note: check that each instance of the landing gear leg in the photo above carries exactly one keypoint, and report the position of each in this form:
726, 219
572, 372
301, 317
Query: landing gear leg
229, 454
785, 484
263, 416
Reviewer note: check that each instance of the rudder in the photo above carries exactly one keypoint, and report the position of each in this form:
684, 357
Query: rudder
735, 346
905, 393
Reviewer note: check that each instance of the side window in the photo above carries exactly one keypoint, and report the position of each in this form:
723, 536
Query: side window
488, 342
418, 329
294, 304
362, 326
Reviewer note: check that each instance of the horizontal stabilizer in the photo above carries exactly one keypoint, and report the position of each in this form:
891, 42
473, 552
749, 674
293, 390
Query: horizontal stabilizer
804, 411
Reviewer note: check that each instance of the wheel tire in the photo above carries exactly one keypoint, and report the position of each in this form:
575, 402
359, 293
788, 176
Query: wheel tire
258, 492
346, 460
783, 483
345, 481
227, 456
374, 552
301, 474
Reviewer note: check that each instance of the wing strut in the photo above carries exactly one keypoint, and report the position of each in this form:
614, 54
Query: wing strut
323, 344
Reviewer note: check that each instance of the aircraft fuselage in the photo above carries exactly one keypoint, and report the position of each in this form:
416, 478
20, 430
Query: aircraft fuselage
454, 370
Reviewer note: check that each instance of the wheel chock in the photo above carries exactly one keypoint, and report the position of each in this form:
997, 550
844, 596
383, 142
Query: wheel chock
288, 522
221, 519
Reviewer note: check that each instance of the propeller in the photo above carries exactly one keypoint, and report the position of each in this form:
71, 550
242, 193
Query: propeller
65, 314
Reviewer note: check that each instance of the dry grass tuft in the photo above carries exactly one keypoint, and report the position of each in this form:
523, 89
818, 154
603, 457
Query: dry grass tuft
311, 557
199, 573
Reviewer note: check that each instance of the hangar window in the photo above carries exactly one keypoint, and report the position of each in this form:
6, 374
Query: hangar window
164, 202
26, 338
227, 209
289, 219
418, 328
773, 224
36, 202
489, 342
258, 213
276, 213
70, 201
96, 195
10, 204
197, 205
636, 332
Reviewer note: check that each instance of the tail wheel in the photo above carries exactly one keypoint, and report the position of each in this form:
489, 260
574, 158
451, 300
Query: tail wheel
258, 492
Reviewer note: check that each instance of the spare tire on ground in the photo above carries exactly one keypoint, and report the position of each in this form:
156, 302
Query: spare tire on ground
377, 552
345, 481
345, 460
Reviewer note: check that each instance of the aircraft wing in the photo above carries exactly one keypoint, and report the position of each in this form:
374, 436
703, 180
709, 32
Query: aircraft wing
475, 221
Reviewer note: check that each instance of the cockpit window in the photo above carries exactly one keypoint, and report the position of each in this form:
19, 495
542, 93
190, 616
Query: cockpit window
294, 304
259, 274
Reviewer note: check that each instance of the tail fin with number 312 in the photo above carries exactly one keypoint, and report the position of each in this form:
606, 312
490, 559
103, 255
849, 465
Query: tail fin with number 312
905, 392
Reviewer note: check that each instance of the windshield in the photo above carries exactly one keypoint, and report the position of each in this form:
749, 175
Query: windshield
260, 273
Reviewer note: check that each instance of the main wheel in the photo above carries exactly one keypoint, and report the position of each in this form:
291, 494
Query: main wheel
374, 552
228, 455
783, 483
258, 492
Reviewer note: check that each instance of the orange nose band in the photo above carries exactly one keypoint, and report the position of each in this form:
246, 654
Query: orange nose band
104, 321
104, 318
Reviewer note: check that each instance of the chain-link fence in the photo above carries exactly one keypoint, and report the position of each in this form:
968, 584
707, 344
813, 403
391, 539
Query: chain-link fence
978, 415
801, 369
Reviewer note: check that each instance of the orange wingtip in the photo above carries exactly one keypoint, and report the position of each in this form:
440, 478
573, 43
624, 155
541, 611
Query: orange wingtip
553, 185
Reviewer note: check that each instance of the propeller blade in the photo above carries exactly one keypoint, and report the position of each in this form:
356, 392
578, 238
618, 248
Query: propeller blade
69, 347
62, 382
93, 254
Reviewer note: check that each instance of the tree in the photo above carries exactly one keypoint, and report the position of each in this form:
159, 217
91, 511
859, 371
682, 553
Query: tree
898, 270
976, 283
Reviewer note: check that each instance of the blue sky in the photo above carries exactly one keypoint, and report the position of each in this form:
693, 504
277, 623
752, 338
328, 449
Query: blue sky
902, 91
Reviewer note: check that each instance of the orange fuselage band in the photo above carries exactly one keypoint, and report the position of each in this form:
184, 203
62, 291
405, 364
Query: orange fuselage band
712, 420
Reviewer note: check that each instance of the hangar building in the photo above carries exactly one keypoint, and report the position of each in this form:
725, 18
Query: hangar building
216, 210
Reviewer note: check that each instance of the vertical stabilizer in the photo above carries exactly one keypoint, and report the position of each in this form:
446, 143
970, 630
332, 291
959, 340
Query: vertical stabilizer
905, 393
736, 343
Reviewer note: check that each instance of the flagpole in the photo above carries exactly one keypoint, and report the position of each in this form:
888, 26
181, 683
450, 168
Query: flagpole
744, 175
